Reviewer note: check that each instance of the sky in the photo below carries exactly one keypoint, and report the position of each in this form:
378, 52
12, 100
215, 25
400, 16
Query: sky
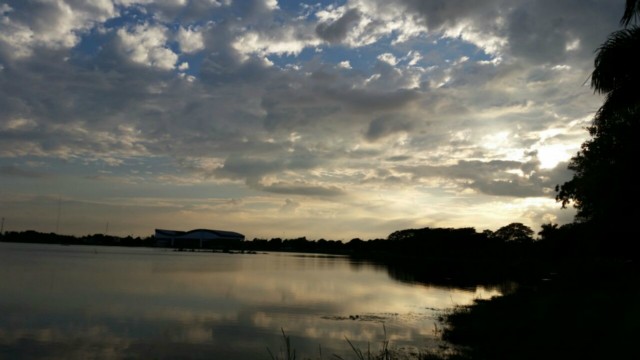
274, 118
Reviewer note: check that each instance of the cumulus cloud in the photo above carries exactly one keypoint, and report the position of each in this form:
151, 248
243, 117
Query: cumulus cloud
190, 40
344, 64
336, 104
497, 177
364, 22
147, 45
388, 58
290, 40
271, 4
336, 30
55, 24
542, 31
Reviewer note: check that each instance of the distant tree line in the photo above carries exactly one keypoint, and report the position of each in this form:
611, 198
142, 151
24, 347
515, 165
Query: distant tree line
509, 240
31, 236
434, 255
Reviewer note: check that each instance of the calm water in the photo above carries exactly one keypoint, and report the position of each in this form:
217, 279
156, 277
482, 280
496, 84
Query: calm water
77, 302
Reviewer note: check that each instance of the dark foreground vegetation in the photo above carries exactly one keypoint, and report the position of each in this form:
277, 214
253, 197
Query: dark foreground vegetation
589, 310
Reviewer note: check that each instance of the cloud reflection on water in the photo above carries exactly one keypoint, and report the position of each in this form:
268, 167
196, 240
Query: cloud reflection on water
147, 303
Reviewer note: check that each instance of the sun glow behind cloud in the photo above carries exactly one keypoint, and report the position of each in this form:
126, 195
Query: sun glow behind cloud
324, 119
550, 156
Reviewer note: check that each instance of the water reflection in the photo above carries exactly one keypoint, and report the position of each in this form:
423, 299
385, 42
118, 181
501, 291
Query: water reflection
80, 302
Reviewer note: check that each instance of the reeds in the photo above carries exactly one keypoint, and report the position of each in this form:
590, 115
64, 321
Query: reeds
287, 353
384, 353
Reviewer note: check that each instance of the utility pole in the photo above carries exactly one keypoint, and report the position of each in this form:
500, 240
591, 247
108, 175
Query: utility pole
2, 227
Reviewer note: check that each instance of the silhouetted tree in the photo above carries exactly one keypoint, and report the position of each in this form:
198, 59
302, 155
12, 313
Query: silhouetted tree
487, 233
604, 180
355, 245
603, 188
516, 232
616, 72
548, 231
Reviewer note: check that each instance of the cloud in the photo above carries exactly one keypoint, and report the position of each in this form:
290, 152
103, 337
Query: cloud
399, 158
384, 126
249, 168
388, 58
538, 32
339, 104
190, 40
335, 31
271, 4
290, 40
344, 64
369, 101
147, 45
441, 13
14, 171
365, 22
303, 190
289, 206
497, 177
54, 24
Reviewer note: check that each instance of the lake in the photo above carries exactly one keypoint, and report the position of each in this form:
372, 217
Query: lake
83, 302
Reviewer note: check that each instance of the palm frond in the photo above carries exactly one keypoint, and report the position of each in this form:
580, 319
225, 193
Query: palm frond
616, 64
631, 12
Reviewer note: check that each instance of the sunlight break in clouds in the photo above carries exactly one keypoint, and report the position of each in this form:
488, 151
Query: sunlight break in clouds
318, 119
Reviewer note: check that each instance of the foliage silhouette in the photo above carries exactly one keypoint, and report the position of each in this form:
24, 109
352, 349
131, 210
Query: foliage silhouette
604, 186
588, 314
517, 232
631, 12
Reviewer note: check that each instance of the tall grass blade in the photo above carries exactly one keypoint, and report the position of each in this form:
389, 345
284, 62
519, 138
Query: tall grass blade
357, 351
271, 354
